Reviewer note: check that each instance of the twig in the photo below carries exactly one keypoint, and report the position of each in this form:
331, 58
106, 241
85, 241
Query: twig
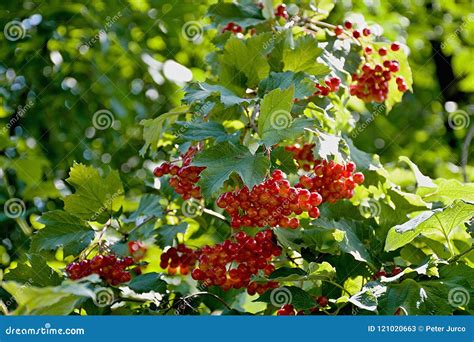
208, 294
465, 152
140, 225
460, 255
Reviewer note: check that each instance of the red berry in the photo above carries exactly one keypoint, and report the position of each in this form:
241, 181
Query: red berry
322, 301
348, 24
395, 46
383, 51
338, 30
356, 34
366, 32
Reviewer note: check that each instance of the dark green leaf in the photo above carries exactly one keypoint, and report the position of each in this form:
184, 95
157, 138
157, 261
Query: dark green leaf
62, 230
148, 282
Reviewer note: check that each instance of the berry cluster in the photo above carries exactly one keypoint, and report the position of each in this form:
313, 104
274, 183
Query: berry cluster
231, 264
287, 310
232, 27
331, 86
181, 257
269, 203
183, 179
332, 181
379, 274
110, 268
281, 11
371, 83
137, 250
303, 155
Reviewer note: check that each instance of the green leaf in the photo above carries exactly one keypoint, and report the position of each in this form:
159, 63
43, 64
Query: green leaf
201, 130
420, 297
363, 160
284, 272
367, 299
303, 57
245, 58
283, 160
153, 128
447, 191
324, 8
275, 111
149, 206
295, 129
303, 86
330, 146
57, 300
341, 55
202, 91
434, 221
148, 282
348, 242
226, 158
421, 179
296, 296
245, 15
62, 230
34, 273
96, 198
167, 233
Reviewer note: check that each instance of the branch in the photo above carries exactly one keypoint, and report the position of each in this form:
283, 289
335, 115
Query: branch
208, 294
459, 256
465, 152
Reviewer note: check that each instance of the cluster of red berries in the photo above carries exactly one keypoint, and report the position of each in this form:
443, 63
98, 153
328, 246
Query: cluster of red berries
269, 203
232, 27
371, 84
183, 179
281, 11
331, 86
332, 181
231, 264
286, 310
110, 268
303, 155
379, 274
289, 309
181, 257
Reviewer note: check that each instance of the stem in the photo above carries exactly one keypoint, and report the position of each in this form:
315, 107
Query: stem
465, 152
445, 236
338, 286
460, 255
208, 294
141, 224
